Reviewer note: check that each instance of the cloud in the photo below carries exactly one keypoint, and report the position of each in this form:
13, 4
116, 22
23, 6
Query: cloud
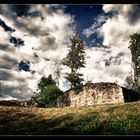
106, 65
89, 31
44, 31
97, 23
120, 26
130, 12
112, 63
93, 29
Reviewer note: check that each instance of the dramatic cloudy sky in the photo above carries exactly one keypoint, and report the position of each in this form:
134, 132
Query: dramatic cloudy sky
34, 38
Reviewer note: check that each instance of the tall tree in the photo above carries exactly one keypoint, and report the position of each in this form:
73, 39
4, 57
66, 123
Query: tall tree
135, 52
75, 60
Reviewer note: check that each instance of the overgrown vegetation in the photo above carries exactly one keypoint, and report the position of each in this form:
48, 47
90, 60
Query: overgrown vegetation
121, 119
47, 91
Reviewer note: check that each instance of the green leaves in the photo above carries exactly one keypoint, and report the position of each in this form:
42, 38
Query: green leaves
135, 52
75, 59
75, 79
47, 91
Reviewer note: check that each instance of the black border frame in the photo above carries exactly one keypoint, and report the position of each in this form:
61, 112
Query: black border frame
72, 2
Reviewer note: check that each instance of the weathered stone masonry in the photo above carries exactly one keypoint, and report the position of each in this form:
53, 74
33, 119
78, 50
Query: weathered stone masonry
93, 94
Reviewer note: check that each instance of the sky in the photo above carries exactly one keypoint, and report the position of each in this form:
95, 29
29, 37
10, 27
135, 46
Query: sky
34, 40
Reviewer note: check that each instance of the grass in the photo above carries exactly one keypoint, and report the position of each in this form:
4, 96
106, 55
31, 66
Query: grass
121, 119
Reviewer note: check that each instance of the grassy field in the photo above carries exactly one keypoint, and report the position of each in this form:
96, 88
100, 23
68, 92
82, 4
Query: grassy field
121, 119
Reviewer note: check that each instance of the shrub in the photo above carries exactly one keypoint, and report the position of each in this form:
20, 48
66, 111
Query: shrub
47, 91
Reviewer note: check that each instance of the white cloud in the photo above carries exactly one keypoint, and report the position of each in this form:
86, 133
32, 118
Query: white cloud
93, 29
96, 69
46, 37
88, 32
116, 31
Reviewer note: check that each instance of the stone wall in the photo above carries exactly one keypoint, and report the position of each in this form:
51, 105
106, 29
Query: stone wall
90, 94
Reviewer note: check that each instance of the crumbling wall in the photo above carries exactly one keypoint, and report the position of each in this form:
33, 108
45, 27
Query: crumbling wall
91, 94
98, 93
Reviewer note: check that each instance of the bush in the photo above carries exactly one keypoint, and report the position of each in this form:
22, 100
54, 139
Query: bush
47, 91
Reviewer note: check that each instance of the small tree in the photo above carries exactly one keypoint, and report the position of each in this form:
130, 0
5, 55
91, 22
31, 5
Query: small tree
135, 52
75, 59
46, 92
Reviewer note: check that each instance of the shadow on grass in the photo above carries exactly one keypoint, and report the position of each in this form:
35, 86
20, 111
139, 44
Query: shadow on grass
20, 123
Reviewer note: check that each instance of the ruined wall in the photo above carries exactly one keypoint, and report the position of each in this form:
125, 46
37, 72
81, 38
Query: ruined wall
91, 94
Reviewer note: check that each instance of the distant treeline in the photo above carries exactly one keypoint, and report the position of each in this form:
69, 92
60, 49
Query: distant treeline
10, 103
28, 103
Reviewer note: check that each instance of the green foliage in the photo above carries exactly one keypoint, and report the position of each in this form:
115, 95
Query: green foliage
129, 82
135, 52
47, 91
88, 82
135, 49
75, 79
75, 60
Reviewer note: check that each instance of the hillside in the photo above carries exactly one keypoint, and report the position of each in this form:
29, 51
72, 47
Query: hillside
94, 120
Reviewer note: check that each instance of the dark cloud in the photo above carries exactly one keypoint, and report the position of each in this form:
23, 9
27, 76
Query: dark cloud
24, 11
36, 55
53, 8
120, 54
133, 15
18, 76
16, 41
107, 63
5, 47
33, 71
115, 60
19, 9
13, 11
32, 30
46, 59
8, 62
5, 27
30, 14
4, 75
50, 41
14, 91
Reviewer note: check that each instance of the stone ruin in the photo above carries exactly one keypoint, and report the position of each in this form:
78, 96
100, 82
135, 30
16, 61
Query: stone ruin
95, 93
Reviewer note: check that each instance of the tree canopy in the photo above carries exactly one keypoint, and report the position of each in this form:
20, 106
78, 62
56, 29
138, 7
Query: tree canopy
47, 91
135, 53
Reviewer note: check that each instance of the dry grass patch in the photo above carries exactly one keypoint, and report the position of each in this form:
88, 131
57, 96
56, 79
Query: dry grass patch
94, 120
